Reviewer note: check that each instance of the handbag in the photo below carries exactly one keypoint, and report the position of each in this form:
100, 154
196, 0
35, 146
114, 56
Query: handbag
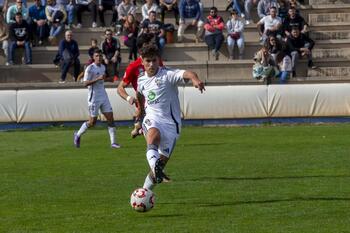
235, 35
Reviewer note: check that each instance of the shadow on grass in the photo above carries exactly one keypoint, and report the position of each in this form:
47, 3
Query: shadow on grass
296, 199
268, 178
165, 216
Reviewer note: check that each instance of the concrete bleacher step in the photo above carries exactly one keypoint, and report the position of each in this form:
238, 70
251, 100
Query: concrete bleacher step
328, 2
343, 71
343, 53
329, 19
330, 35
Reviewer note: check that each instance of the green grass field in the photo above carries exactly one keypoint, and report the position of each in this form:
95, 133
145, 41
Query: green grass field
242, 179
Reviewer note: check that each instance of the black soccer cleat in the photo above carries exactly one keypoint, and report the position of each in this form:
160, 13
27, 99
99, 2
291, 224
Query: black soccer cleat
158, 171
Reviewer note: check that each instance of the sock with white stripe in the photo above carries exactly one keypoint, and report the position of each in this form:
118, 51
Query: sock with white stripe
82, 129
112, 133
152, 155
149, 183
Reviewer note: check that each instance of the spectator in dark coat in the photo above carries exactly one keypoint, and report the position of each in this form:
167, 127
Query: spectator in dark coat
19, 37
300, 45
68, 51
38, 21
111, 52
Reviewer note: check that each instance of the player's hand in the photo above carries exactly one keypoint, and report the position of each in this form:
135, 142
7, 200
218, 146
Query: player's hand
200, 85
131, 100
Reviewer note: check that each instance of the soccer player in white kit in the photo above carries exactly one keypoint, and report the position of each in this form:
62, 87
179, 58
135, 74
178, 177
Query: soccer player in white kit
158, 88
94, 77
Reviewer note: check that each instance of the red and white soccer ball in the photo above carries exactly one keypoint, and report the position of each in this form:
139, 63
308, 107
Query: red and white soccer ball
142, 200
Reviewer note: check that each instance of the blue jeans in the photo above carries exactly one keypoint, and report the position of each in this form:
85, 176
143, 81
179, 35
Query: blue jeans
161, 44
236, 5
56, 29
65, 67
70, 13
27, 48
283, 76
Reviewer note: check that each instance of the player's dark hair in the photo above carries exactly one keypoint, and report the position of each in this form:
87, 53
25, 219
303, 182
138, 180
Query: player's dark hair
149, 51
18, 14
97, 51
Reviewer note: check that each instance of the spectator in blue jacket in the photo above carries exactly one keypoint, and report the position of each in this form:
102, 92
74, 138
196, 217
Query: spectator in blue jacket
68, 52
38, 21
190, 14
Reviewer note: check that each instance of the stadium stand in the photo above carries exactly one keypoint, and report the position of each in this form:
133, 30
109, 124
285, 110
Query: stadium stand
329, 22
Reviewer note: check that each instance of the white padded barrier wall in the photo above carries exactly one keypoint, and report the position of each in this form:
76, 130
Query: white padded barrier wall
314, 100
52, 105
226, 102
8, 106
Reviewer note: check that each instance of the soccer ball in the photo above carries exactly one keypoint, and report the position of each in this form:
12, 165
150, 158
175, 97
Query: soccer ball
142, 200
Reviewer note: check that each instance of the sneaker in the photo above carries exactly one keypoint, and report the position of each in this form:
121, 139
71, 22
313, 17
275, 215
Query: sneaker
247, 22
76, 140
40, 42
242, 15
115, 146
180, 39
79, 25
61, 81
137, 130
94, 25
217, 55
158, 171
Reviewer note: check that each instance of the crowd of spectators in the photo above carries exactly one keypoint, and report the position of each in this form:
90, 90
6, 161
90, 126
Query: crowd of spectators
284, 32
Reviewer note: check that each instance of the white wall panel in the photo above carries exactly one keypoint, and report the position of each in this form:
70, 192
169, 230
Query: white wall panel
309, 100
52, 105
8, 106
226, 102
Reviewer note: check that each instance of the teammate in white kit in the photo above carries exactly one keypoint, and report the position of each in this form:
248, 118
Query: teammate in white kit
158, 88
94, 77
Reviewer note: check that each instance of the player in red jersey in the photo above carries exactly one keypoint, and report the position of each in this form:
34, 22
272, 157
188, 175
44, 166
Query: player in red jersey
132, 73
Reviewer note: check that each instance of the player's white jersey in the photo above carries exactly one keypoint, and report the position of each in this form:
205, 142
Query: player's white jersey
97, 90
161, 95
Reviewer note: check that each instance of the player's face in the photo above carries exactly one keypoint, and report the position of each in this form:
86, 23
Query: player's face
97, 58
151, 65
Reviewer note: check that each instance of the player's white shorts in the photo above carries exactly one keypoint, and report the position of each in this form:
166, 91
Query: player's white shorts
168, 135
104, 106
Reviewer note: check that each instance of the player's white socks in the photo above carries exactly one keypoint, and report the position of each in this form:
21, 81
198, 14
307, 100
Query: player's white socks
112, 133
82, 129
149, 184
152, 155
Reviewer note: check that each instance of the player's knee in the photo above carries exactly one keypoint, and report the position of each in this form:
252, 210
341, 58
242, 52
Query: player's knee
91, 123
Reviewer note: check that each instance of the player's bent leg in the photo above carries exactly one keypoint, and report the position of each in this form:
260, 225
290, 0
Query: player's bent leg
164, 159
153, 158
111, 129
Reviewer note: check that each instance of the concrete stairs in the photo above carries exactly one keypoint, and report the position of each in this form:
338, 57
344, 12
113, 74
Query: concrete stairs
330, 27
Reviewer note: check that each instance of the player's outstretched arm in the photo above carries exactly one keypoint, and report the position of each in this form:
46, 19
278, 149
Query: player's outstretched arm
197, 83
122, 93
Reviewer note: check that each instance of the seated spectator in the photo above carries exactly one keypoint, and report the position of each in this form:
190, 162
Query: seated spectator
38, 20
125, 8
111, 52
271, 24
284, 65
56, 16
86, 5
169, 5
294, 20
19, 33
69, 7
264, 67
213, 35
147, 8
91, 50
235, 28
4, 35
131, 31
274, 46
14, 9
300, 45
156, 28
190, 14
112, 5
264, 7
68, 51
